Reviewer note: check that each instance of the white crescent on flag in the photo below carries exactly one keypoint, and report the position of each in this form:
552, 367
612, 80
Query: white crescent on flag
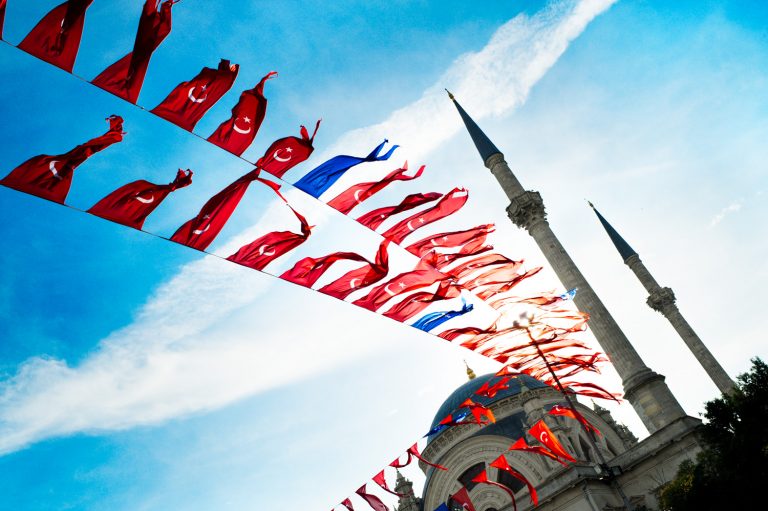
192, 98
263, 251
277, 157
52, 168
146, 201
238, 129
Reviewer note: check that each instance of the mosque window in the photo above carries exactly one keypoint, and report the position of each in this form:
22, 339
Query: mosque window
586, 448
466, 478
510, 482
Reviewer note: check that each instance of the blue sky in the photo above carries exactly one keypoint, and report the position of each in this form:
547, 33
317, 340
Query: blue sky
135, 374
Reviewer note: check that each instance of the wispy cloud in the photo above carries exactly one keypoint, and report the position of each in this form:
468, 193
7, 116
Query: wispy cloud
186, 351
490, 82
731, 208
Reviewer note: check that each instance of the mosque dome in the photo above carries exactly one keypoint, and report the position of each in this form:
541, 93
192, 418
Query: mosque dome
468, 390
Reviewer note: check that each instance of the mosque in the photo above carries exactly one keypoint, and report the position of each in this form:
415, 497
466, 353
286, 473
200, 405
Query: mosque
615, 471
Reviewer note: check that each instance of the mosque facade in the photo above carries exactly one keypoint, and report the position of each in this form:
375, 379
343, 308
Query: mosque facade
614, 470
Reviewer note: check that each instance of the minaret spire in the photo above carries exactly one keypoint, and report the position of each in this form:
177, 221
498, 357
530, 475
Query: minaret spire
645, 389
662, 300
622, 246
485, 147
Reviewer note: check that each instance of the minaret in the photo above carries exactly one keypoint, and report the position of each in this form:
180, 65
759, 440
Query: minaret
643, 388
662, 299
408, 501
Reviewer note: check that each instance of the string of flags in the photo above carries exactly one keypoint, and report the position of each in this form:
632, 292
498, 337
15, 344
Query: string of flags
200, 231
472, 413
451, 265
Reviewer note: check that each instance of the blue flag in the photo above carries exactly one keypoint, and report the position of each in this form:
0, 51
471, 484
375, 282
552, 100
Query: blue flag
435, 319
447, 423
322, 177
442, 507
570, 294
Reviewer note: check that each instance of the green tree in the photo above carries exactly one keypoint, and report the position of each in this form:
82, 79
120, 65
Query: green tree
732, 470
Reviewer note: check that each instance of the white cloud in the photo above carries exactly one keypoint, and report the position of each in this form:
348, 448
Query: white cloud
492, 81
731, 208
185, 352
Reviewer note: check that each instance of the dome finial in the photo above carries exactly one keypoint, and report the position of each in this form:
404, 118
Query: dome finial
470, 373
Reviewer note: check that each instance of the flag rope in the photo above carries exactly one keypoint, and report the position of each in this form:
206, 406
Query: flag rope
493, 353
200, 137
540, 353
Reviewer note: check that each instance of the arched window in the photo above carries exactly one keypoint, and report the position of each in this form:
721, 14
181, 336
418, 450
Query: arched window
466, 478
586, 448
510, 482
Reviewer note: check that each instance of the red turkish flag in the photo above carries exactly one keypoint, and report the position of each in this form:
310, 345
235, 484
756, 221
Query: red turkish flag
478, 411
200, 231
487, 290
490, 391
2, 16
125, 77
462, 497
361, 277
347, 504
469, 240
356, 194
56, 38
50, 177
501, 273
568, 412
239, 131
502, 464
422, 275
448, 205
441, 261
286, 153
307, 271
265, 249
189, 101
463, 270
471, 331
131, 204
482, 477
382, 482
375, 218
521, 445
372, 500
420, 300
543, 434
590, 389
413, 452
545, 300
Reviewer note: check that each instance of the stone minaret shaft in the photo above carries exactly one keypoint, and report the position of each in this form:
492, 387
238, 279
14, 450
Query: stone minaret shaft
643, 388
662, 299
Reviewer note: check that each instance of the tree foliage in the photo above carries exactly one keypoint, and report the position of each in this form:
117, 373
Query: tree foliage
732, 470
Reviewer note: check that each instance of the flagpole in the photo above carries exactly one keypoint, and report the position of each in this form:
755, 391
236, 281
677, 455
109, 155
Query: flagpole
604, 468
